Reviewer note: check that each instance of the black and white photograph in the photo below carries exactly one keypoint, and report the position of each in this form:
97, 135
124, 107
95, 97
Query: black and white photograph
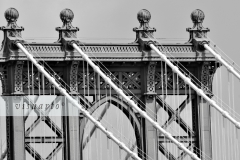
119, 80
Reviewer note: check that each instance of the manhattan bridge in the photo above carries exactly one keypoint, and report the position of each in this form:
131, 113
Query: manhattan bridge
143, 100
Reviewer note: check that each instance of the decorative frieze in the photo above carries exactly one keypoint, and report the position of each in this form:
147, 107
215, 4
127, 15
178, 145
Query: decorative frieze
44, 49
109, 49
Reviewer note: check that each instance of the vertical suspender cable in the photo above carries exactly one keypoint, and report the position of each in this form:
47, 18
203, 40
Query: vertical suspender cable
179, 110
216, 123
32, 80
166, 92
234, 128
173, 98
228, 126
190, 113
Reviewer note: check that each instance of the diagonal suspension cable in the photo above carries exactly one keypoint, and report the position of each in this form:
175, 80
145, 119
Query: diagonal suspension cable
188, 81
75, 103
144, 114
58, 79
222, 61
226, 57
196, 81
113, 78
199, 91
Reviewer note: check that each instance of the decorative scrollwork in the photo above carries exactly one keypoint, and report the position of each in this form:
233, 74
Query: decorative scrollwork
151, 77
73, 77
4, 77
208, 70
18, 87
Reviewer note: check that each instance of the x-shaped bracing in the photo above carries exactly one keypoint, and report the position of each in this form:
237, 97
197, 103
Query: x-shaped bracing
174, 115
44, 116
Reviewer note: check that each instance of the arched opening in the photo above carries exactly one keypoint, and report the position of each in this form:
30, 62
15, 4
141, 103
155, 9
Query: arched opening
115, 115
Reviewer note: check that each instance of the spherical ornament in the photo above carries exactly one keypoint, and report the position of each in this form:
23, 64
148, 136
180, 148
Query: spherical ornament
197, 16
66, 15
11, 15
144, 16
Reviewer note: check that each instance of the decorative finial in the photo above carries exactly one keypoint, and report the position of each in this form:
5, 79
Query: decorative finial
144, 17
197, 31
12, 29
67, 33
11, 15
144, 31
67, 30
67, 16
197, 17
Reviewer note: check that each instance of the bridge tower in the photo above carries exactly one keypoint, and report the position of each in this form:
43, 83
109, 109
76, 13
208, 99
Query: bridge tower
139, 70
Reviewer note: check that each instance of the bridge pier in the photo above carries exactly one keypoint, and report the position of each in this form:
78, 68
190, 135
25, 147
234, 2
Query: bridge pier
71, 131
151, 134
15, 128
205, 128
71, 116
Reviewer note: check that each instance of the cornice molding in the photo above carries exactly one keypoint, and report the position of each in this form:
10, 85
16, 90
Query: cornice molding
110, 52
